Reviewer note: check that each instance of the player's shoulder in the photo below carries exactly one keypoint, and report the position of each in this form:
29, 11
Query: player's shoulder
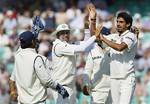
57, 41
131, 35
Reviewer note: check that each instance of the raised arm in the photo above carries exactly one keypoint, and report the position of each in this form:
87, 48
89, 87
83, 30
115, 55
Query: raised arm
92, 18
90, 21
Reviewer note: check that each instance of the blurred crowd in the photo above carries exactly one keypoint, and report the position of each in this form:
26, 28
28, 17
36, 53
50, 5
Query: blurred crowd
12, 23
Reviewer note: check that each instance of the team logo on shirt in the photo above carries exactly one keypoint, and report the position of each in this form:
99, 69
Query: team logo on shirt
96, 57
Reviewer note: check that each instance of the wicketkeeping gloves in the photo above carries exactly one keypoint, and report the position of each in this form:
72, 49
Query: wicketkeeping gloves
62, 91
37, 26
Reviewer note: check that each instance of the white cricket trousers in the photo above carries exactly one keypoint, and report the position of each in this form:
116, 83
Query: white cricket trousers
100, 94
70, 100
122, 89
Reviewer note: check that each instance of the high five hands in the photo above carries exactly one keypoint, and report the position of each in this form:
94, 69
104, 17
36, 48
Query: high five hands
92, 11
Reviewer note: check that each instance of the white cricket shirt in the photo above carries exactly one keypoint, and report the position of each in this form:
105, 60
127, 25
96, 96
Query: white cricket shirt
122, 63
31, 82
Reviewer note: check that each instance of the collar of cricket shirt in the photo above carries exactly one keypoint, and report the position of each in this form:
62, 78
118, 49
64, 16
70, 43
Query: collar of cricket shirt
29, 49
124, 33
58, 41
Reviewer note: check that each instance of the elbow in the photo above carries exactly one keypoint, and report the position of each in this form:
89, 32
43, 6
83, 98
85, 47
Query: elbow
119, 49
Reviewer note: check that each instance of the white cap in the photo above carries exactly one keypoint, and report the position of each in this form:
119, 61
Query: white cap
61, 27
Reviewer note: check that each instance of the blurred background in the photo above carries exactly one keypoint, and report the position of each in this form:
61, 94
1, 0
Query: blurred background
16, 16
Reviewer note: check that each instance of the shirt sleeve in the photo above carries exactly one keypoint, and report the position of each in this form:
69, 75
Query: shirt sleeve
71, 49
43, 73
130, 40
87, 34
88, 70
85, 45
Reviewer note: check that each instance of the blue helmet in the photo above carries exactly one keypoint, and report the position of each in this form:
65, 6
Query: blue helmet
26, 39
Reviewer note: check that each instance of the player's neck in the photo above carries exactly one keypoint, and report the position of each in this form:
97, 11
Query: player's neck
121, 32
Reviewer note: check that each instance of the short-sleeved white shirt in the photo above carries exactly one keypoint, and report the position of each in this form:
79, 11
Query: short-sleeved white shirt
122, 62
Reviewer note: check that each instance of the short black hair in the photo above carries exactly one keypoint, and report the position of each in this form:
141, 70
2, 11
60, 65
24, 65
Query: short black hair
25, 45
128, 18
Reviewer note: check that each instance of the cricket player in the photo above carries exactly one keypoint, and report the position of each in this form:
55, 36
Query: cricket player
96, 77
64, 61
122, 55
31, 75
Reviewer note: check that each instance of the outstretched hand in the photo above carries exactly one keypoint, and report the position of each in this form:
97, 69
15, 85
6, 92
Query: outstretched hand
92, 11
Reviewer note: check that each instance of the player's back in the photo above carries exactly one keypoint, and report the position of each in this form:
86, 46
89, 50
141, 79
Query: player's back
28, 84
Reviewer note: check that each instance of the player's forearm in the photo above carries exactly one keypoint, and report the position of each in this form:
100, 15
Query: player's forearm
115, 46
93, 26
87, 76
45, 78
86, 79
84, 45
87, 71
87, 34
51, 83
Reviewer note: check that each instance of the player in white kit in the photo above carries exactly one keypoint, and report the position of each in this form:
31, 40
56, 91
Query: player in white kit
122, 55
31, 74
64, 61
96, 75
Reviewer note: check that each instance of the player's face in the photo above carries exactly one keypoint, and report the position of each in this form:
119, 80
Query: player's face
65, 36
121, 25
